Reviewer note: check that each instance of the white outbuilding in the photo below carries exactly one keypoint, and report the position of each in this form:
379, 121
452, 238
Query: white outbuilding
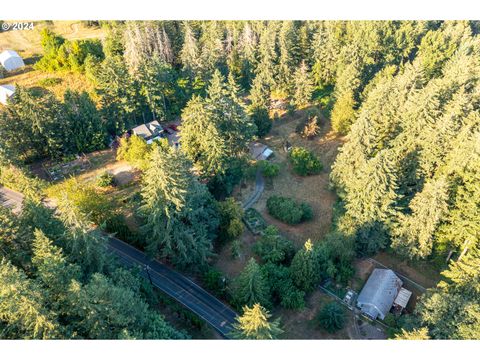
10, 60
6, 91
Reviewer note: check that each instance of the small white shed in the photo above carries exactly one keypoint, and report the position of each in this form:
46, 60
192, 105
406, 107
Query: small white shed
260, 151
10, 60
6, 91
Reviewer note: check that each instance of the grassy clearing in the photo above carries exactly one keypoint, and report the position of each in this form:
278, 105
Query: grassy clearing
310, 189
57, 82
302, 324
27, 42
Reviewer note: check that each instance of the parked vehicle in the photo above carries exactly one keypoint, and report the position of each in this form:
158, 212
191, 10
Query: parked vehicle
174, 127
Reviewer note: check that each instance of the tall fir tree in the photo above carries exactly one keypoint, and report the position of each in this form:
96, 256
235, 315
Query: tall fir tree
179, 212
254, 324
251, 286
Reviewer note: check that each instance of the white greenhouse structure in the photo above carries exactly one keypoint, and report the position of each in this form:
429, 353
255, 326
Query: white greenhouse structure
6, 91
10, 60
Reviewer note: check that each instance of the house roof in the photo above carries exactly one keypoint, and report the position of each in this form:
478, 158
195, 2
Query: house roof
148, 130
403, 297
379, 292
10, 60
260, 151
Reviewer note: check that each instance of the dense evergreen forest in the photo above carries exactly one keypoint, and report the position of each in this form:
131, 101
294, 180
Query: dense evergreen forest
403, 95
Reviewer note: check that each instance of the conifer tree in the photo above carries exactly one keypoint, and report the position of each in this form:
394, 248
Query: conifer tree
303, 87
23, 311
155, 78
85, 130
14, 244
346, 87
415, 334
119, 96
288, 56
452, 310
248, 55
52, 268
415, 234
251, 287
179, 212
212, 52
104, 310
189, 54
305, 269
216, 130
82, 244
254, 324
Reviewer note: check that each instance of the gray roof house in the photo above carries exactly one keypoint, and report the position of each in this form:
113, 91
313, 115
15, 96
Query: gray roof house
378, 294
149, 131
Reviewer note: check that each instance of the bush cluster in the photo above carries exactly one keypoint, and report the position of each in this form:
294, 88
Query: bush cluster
106, 179
288, 210
304, 162
269, 169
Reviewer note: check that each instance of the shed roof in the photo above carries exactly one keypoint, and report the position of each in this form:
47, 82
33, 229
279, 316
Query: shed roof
403, 297
378, 294
260, 151
10, 60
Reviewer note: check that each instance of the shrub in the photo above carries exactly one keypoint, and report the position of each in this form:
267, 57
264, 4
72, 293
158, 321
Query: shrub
22, 181
304, 162
236, 249
50, 81
269, 169
116, 225
292, 297
261, 118
272, 247
310, 128
307, 211
283, 291
231, 225
105, 179
89, 202
288, 210
332, 317
134, 150
215, 281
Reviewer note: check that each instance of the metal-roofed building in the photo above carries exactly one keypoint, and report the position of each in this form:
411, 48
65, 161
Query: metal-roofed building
402, 299
378, 294
10, 60
260, 151
6, 91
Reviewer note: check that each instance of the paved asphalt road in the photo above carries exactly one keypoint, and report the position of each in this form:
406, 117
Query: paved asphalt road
182, 289
179, 287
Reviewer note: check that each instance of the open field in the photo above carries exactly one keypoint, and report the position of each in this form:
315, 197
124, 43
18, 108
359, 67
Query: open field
311, 189
27, 42
31, 78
